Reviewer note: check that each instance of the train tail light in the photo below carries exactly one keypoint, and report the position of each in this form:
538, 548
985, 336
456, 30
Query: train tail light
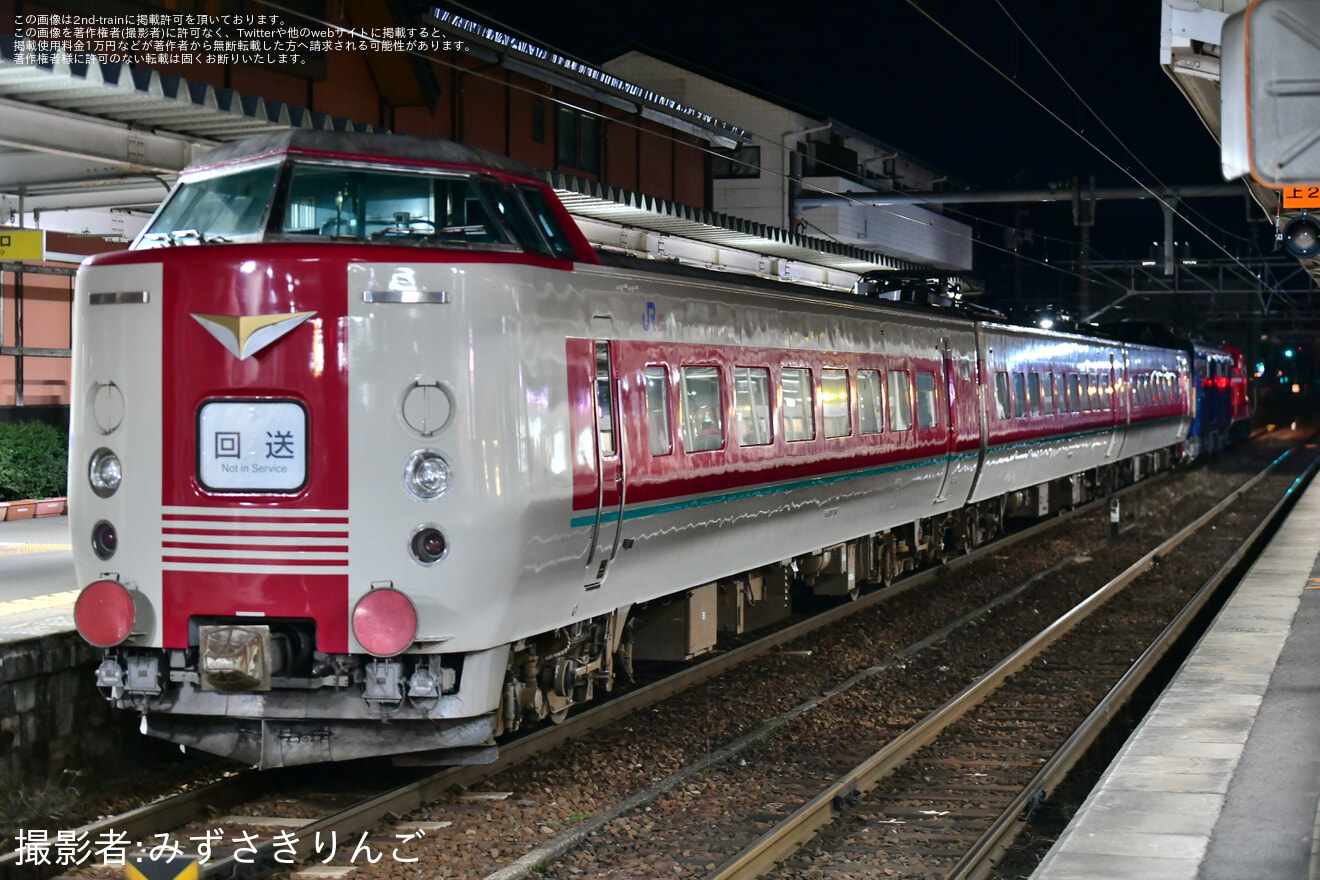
104, 613
384, 622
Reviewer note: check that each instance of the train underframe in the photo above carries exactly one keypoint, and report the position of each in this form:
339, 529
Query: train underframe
314, 707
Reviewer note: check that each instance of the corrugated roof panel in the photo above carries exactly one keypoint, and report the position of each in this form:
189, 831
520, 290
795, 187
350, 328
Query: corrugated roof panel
589, 198
141, 96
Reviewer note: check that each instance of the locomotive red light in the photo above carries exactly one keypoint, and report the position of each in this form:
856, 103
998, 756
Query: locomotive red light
104, 613
384, 622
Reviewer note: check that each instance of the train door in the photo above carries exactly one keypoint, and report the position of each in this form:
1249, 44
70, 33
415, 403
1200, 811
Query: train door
948, 373
1116, 431
610, 489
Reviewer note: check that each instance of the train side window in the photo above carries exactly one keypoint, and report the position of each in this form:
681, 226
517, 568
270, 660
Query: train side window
703, 417
1074, 392
1062, 393
657, 410
900, 400
927, 413
1093, 392
1033, 393
1047, 394
868, 401
751, 400
799, 406
549, 223
837, 406
1106, 393
1001, 396
1019, 395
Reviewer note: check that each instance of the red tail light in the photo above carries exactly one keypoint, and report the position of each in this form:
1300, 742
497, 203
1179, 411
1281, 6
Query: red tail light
104, 613
384, 622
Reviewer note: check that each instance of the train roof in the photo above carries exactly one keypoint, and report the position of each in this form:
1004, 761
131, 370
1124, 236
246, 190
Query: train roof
371, 145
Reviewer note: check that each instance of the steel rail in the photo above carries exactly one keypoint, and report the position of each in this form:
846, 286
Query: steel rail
189, 806
795, 831
403, 799
981, 859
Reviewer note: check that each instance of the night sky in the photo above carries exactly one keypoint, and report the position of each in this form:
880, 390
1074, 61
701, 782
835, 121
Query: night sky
885, 69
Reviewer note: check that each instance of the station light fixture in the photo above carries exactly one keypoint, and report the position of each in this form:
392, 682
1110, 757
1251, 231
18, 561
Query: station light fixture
1301, 237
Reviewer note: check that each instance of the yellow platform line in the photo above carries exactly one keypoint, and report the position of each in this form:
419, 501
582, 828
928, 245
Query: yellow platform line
18, 549
62, 600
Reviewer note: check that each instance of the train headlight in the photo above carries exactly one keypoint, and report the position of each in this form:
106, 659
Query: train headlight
104, 613
426, 475
104, 472
105, 540
428, 545
384, 622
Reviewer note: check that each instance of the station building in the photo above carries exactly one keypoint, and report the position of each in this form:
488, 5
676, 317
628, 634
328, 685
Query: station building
648, 155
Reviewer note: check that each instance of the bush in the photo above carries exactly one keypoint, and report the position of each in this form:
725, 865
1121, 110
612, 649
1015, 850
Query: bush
34, 461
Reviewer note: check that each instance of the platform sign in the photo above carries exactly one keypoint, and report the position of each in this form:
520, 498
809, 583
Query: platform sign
1299, 197
22, 244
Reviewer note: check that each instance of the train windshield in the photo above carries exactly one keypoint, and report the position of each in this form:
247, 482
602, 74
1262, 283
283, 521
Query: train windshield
219, 208
328, 202
391, 207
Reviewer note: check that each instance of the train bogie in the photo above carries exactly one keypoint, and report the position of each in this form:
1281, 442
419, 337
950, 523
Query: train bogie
385, 483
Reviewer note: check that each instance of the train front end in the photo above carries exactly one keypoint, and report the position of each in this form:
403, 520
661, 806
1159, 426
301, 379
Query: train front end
264, 462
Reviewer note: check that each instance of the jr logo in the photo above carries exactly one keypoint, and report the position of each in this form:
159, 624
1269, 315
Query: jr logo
653, 320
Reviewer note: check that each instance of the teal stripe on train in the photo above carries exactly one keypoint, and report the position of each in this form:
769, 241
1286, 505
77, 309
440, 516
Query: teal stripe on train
811, 482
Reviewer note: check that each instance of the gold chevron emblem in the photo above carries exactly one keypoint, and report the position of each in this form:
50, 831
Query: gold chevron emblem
245, 335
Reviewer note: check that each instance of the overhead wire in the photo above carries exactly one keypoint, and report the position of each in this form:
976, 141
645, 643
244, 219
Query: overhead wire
1055, 116
783, 175
1063, 79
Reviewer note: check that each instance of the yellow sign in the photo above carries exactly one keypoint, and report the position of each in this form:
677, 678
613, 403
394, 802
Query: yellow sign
1301, 197
22, 244
167, 867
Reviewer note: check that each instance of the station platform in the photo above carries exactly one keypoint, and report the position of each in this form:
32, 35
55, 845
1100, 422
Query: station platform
1221, 781
38, 585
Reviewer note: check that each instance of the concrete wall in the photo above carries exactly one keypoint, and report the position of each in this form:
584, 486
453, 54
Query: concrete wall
52, 717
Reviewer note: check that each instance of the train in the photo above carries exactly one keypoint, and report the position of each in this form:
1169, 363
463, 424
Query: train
371, 453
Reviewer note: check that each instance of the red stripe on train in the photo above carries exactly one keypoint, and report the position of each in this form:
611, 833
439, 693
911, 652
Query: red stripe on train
319, 597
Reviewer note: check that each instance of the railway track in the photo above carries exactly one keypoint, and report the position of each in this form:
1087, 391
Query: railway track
958, 785
204, 806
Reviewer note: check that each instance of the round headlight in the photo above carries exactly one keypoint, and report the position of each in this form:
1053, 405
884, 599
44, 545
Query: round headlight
426, 475
104, 472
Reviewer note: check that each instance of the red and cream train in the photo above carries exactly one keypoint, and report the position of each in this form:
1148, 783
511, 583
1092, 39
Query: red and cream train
366, 432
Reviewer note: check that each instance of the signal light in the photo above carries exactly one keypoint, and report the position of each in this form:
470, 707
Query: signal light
104, 613
428, 545
384, 622
105, 540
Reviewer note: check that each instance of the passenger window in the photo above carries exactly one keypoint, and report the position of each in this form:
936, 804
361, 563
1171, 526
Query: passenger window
657, 410
751, 399
1077, 387
1093, 393
900, 400
1019, 395
1062, 379
1001, 396
799, 407
1033, 393
868, 401
1047, 395
703, 419
837, 406
927, 416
